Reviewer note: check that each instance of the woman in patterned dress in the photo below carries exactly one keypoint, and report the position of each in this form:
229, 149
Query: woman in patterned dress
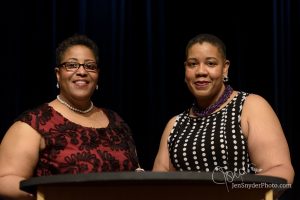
68, 135
224, 130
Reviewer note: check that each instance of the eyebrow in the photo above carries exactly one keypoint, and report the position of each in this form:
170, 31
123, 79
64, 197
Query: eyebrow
75, 59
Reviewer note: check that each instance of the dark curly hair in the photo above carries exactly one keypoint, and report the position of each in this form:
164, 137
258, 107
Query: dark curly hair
76, 39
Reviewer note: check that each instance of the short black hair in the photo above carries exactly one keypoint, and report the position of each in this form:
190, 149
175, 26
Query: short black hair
76, 39
212, 39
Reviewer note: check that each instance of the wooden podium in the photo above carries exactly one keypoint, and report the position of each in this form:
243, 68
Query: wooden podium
153, 185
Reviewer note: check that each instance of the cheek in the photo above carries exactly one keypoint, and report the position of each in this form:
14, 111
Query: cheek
216, 74
189, 74
95, 77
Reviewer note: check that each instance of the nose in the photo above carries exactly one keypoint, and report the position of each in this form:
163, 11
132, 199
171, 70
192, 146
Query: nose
201, 69
81, 69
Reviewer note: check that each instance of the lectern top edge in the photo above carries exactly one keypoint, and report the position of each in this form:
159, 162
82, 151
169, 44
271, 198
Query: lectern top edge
31, 184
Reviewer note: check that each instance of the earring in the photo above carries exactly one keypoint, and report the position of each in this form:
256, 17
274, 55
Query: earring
225, 79
97, 87
57, 85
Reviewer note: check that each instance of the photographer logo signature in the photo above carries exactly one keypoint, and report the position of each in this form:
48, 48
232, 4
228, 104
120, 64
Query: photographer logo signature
230, 176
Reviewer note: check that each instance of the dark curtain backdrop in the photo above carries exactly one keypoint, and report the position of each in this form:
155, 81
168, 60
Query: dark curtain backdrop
142, 46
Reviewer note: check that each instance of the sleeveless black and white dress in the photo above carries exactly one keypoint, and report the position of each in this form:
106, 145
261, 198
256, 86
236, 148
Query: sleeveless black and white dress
211, 143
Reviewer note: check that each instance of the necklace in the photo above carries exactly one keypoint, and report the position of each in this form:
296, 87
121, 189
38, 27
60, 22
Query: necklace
203, 112
75, 109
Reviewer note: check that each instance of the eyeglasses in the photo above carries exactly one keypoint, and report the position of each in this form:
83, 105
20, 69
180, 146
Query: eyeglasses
73, 66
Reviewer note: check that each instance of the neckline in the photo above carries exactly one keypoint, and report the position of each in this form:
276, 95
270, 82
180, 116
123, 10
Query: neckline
82, 126
202, 112
215, 113
73, 108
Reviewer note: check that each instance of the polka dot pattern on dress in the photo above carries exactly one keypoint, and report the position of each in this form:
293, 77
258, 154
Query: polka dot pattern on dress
214, 141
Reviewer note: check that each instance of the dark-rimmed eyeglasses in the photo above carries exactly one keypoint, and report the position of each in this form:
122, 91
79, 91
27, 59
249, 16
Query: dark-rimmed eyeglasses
73, 66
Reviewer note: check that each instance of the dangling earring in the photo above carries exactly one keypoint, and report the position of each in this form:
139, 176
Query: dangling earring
225, 79
57, 85
97, 87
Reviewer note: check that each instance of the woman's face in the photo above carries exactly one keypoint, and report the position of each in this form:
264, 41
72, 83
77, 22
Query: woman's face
205, 68
78, 83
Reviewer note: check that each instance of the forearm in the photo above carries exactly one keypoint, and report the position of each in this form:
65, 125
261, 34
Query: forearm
282, 171
9, 189
163, 165
159, 168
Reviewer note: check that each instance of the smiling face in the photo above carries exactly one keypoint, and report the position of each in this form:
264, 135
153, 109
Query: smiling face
78, 83
205, 68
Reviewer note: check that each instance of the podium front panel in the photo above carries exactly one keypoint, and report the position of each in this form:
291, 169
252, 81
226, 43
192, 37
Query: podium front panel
149, 185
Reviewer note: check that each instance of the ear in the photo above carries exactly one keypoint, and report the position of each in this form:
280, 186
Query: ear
226, 67
56, 70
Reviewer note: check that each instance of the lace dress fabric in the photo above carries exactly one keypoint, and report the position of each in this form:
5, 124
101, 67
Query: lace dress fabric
211, 143
73, 149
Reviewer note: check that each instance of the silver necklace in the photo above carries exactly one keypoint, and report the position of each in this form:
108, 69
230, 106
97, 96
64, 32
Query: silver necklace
75, 109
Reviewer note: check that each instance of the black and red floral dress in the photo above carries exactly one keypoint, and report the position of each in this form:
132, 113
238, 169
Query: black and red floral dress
73, 149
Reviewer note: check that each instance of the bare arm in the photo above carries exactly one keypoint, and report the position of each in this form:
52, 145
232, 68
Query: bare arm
267, 144
18, 157
162, 161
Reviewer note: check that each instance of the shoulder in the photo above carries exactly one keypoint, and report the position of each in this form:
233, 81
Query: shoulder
20, 130
255, 100
170, 124
172, 121
111, 113
113, 116
33, 112
36, 116
257, 107
256, 111
37, 108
